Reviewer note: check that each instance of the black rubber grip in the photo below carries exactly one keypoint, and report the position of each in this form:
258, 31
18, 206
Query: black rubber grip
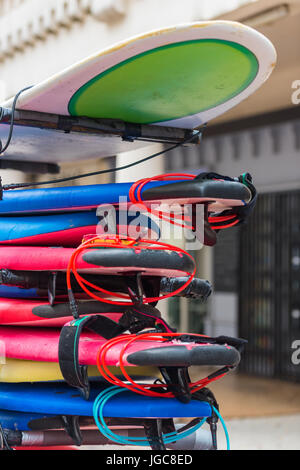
199, 189
84, 308
144, 259
181, 356
197, 289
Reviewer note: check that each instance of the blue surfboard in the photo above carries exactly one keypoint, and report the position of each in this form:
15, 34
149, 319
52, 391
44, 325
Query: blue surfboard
60, 399
68, 229
17, 421
11, 292
77, 198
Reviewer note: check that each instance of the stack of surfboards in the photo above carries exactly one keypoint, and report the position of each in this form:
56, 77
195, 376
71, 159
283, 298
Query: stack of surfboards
34, 304
51, 332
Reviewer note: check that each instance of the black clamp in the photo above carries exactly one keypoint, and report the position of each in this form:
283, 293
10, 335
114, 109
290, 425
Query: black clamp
178, 382
143, 313
72, 428
242, 213
52, 288
205, 394
139, 317
209, 235
65, 123
153, 431
4, 444
131, 132
75, 374
136, 289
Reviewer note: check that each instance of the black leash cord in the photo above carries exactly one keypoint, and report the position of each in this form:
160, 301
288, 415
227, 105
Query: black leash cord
101, 172
12, 121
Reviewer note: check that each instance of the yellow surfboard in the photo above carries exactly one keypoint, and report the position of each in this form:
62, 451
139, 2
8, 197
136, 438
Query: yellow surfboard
17, 371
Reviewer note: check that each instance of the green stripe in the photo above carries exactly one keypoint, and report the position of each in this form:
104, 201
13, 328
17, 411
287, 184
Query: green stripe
168, 82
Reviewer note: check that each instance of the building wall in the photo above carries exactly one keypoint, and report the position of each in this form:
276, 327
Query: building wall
270, 153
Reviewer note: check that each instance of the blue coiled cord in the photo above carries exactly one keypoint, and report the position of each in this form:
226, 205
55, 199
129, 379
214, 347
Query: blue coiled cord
169, 438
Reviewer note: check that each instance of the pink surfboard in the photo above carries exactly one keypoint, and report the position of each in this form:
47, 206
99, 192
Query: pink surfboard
159, 262
40, 344
37, 313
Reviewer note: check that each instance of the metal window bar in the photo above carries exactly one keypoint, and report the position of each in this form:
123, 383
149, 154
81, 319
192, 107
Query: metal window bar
269, 286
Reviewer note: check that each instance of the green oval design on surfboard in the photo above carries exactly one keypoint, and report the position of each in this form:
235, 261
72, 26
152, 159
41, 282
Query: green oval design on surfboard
169, 82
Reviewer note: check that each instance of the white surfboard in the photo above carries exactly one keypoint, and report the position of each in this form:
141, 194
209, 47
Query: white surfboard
179, 77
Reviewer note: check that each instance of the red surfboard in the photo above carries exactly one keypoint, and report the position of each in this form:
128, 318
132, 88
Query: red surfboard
157, 262
40, 344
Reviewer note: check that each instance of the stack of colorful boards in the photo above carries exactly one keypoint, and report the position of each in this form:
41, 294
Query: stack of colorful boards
86, 350
44, 345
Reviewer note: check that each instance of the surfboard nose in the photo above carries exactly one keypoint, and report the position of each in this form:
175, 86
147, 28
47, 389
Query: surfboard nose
181, 356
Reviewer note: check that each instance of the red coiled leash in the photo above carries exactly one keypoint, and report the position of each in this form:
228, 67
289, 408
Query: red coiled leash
124, 242
136, 198
143, 389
